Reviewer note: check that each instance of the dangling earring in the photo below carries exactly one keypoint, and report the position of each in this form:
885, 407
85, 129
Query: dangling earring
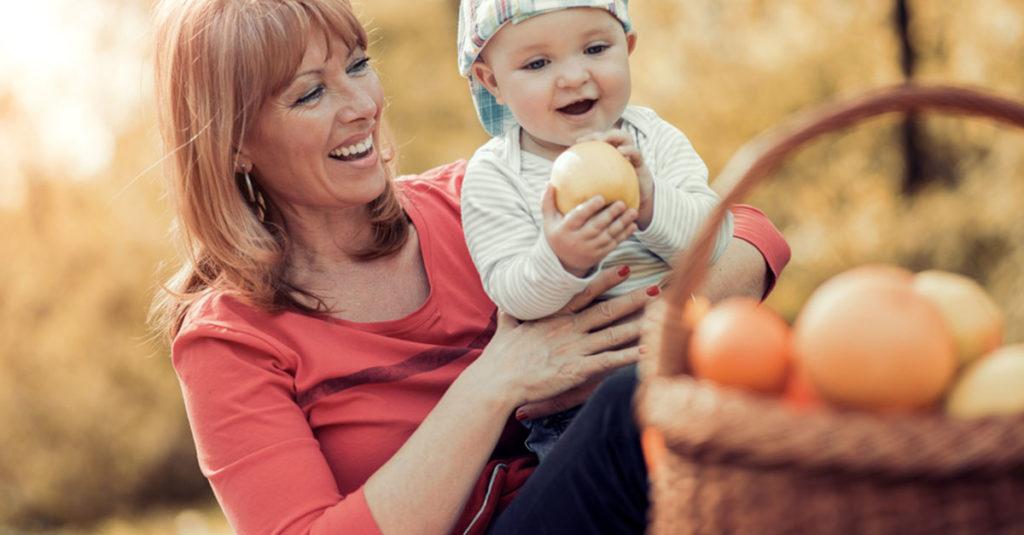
248, 185
256, 200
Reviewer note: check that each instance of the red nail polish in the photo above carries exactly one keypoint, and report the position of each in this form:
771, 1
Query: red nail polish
653, 291
623, 271
642, 349
521, 415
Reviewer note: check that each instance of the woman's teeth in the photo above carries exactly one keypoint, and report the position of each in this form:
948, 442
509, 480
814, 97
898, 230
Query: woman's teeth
353, 152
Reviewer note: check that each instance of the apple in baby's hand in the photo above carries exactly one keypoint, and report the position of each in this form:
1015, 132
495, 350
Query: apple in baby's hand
973, 318
592, 168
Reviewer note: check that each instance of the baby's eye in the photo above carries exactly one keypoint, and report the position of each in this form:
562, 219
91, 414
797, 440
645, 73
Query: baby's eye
535, 64
311, 96
359, 66
596, 49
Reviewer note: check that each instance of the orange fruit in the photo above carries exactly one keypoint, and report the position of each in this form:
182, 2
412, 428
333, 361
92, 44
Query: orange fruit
696, 310
652, 443
741, 343
799, 391
866, 339
593, 168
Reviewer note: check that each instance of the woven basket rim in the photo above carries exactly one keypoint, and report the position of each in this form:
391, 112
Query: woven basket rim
707, 422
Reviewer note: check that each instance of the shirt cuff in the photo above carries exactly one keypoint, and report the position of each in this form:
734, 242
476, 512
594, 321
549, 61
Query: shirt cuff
754, 227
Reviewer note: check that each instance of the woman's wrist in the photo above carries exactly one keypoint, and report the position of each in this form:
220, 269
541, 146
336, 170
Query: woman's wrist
493, 390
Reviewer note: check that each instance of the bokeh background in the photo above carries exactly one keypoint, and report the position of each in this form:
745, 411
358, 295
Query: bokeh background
93, 437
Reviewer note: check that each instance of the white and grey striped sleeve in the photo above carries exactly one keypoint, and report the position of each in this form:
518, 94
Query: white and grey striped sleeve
682, 197
501, 222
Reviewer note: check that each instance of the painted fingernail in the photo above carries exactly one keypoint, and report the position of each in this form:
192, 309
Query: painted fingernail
623, 271
642, 349
521, 415
653, 291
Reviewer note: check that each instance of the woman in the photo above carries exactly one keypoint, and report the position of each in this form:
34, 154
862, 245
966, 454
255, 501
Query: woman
342, 369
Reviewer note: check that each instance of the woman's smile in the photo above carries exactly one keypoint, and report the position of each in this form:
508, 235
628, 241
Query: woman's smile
355, 151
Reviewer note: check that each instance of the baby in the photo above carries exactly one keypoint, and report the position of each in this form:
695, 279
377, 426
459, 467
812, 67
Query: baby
544, 75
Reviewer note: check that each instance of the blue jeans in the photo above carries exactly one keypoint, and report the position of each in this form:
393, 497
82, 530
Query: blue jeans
545, 432
594, 480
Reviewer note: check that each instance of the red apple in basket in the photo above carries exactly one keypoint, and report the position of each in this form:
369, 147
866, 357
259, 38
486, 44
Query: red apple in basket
741, 342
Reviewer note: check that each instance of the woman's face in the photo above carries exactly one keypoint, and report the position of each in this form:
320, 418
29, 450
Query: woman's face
314, 145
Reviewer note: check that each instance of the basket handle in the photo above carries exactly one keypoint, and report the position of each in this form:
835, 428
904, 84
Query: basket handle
763, 154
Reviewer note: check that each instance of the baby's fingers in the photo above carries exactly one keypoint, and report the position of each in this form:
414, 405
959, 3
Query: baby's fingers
584, 213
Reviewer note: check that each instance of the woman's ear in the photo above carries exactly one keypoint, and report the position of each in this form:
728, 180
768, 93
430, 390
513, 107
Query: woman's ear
242, 161
242, 165
631, 37
484, 74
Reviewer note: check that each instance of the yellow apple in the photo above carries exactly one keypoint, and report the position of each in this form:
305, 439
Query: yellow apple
993, 385
593, 168
973, 318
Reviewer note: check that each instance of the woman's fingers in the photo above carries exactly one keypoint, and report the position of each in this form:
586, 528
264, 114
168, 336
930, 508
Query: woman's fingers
604, 281
606, 312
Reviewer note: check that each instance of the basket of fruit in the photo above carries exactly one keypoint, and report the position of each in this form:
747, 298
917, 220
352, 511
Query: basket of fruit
848, 448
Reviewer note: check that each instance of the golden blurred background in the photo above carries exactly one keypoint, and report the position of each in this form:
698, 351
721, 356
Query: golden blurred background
93, 437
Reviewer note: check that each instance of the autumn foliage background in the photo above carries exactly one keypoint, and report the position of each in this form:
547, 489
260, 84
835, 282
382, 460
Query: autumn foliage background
93, 425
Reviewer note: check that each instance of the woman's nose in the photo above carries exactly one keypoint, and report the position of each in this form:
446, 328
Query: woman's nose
357, 104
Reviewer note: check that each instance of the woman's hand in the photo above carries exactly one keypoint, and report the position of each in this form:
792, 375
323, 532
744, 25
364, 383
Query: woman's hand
555, 363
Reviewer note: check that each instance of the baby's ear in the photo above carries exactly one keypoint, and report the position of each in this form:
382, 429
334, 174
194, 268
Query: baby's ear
484, 74
631, 37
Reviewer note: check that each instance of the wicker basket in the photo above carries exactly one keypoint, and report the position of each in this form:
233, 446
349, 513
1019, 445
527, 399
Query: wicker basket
739, 463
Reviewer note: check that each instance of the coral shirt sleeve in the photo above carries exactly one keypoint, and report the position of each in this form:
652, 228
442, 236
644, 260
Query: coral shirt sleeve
253, 441
753, 226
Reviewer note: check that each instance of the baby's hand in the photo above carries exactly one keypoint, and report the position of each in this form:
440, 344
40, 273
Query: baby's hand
624, 143
586, 234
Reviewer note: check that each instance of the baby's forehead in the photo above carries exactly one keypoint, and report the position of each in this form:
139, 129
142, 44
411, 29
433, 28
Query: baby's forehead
533, 31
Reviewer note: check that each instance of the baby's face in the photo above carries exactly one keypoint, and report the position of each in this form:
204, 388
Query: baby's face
564, 74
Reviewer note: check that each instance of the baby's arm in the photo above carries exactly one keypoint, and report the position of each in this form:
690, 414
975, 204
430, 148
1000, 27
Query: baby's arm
681, 198
517, 267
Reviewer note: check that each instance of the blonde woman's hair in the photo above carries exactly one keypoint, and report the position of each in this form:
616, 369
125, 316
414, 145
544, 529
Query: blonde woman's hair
216, 63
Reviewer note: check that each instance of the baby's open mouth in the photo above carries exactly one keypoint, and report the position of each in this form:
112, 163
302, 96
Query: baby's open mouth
579, 107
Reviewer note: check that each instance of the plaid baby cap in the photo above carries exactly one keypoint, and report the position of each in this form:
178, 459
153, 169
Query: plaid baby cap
479, 20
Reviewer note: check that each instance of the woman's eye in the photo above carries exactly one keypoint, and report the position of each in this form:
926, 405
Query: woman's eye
310, 96
535, 64
595, 49
359, 66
